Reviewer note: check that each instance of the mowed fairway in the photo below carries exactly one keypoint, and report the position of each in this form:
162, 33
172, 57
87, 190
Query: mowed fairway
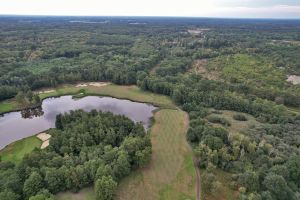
170, 174
16, 151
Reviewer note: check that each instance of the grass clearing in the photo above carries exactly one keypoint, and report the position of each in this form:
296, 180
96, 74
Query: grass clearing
236, 125
84, 194
6, 106
17, 150
226, 192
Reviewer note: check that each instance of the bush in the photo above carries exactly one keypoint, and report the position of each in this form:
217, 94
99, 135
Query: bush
240, 117
219, 120
105, 188
216, 112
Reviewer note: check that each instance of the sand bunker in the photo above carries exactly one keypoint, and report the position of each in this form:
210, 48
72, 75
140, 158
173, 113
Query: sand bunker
46, 91
294, 79
45, 144
45, 138
96, 84
197, 31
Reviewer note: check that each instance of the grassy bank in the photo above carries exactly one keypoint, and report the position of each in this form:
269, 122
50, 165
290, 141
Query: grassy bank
16, 151
122, 92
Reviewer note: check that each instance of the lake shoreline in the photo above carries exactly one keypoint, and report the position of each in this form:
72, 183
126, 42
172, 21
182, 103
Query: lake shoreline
33, 121
78, 93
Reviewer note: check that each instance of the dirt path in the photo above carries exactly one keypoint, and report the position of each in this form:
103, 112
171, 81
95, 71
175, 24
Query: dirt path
198, 181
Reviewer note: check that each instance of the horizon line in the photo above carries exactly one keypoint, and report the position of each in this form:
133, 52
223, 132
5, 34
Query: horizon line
153, 16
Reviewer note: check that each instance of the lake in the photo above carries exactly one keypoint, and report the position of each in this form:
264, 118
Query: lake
18, 125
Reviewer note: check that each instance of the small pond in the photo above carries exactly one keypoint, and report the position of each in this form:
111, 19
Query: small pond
18, 125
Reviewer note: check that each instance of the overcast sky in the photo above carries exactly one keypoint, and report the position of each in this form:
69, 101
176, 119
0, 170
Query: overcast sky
193, 8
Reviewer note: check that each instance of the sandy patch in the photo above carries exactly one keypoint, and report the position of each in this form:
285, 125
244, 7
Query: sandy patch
45, 138
46, 91
81, 85
197, 31
294, 79
45, 144
96, 84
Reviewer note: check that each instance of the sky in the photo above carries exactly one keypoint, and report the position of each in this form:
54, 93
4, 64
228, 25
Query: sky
188, 8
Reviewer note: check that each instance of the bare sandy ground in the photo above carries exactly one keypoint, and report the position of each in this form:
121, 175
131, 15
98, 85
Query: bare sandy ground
45, 144
45, 138
96, 84
294, 79
46, 91
197, 31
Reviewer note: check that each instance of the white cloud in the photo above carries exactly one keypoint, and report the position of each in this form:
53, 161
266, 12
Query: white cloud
278, 11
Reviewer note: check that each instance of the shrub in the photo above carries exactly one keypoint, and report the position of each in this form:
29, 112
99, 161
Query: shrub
240, 117
219, 120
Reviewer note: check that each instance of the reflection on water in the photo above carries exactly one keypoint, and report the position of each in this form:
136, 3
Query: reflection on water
17, 125
32, 112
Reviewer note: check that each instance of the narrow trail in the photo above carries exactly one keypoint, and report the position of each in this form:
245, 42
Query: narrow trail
198, 181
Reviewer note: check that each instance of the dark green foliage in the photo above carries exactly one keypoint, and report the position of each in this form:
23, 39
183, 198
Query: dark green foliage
105, 188
293, 166
218, 119
240, 117
9, 195
84, 148
33, 185
278, 187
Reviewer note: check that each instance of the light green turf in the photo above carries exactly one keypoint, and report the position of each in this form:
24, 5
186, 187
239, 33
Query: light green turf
16, 151
6, 106
84, 194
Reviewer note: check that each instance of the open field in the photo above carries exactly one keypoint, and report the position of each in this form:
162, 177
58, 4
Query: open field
16, 151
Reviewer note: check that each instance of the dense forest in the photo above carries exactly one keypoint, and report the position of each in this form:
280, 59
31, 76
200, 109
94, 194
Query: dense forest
85, 148
224, 64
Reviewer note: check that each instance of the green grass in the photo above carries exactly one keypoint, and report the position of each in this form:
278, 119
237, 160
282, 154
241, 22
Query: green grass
6, 106
16, 151
132, 93
84, 194
226, 192
183, 187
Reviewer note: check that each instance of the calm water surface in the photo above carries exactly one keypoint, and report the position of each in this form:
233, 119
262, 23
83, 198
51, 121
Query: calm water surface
17, 125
